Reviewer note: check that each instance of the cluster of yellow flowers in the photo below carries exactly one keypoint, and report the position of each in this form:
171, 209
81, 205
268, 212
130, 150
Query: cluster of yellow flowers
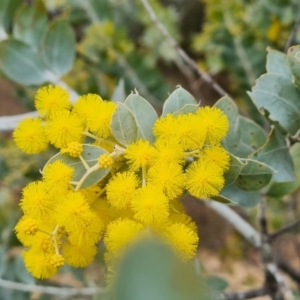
140, 196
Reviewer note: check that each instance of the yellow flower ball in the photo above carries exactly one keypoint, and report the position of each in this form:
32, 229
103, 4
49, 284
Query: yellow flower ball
30, 136
51, 99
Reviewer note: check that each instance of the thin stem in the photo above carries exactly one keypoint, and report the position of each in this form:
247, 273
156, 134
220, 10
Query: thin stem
84, 162
98, 138
191, 153
44, 231
242, 226
284, 229
86, 174
144, 176
54, 238
188, 60
50, 290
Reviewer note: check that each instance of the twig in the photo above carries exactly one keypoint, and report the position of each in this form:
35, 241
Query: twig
288, 269
244, 295
51, 290
284, 229
188, 60
242, 226
274, 281
291, 38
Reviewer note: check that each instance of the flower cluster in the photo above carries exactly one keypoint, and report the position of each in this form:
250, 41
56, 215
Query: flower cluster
140, 196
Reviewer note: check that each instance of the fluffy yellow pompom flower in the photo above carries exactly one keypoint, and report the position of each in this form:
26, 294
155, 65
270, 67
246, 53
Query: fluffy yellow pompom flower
39, 264
51, 99
104, 211
43, 243
27, 226
36, 201
63, 128
105, 161
214, 123
121, 188
82, 225
86, 105
150, 205
30, 136
168, 152
78, 256
183, 240
218, 155
91, 193
165, 128
139, 154
169, 177
57, 176
74, 149
57, 261
204, 179
99, 120
189, 134
120, 233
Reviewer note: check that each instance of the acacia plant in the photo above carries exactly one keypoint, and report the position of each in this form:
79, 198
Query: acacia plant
120, 169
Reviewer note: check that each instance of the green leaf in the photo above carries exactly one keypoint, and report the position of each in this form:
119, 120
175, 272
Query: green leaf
277, 94
177, 100
216, 283
123, 125
90, 154
231, 141
244, 136
293, 58
222, 199
236, 166
252, 135
144, 114
30, 24
279, 189
235, 194
277, 64
119, 94
275, 153
188, 108
150, 270
59, 47
20, 63
254, 176
7, 10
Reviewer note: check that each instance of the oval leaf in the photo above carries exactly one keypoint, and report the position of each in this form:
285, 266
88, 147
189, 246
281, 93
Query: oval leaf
177, 100
119, 92
293, 58
277, 64
277, 94
145, 116
123, 125
20, 63
275, 154
236, 166
30, 24
59, 47
254, 176
90, 154
235, 194
188, 108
